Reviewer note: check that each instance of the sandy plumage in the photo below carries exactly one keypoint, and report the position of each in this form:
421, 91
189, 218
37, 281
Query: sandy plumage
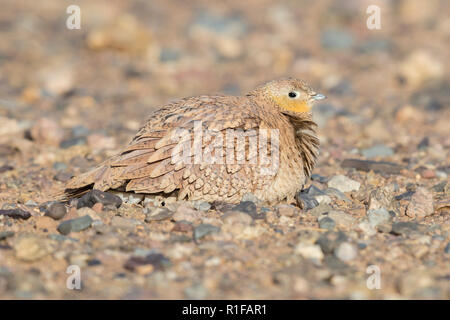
155, 161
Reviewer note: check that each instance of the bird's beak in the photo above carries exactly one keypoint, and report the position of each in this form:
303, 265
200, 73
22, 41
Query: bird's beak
318, 96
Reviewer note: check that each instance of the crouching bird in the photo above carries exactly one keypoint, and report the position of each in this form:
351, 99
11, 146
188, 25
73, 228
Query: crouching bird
218, 148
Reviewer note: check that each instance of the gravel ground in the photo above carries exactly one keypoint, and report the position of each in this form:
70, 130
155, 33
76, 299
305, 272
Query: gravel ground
378, 202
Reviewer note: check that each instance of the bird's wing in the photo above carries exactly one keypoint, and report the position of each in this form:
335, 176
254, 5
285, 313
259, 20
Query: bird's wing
155, 160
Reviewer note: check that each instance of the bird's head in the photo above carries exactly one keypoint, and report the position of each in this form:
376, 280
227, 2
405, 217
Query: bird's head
291, 96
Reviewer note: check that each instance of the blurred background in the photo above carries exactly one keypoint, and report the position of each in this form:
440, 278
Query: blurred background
71, 98
131, 56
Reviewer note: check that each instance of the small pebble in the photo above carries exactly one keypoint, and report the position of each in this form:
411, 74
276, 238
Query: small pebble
158, 214
346, 252
95, 196
202, 205
157, 260
320, 209
406, 228
183, 226
319, 178
327, 223
129, 197
124, 223
343, 183
447, 248
377, 151
331, 240
341, 218
250, 197
56, 211
6, 234
368, 165
378, 217
89, 212
204, 229
306, 201
233, 217
333, 192
248, 207
47, 131
309, 251
31, 248
62, 176
75, 225
15, 213
98, 207
421, 204
286, 210
184, 212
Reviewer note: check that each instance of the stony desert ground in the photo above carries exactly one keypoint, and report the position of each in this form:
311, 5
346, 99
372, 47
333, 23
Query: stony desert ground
375, 221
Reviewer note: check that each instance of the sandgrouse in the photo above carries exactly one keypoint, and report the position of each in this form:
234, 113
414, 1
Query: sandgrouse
218, 148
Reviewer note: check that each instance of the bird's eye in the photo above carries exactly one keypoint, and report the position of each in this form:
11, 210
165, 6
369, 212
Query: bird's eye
292, 94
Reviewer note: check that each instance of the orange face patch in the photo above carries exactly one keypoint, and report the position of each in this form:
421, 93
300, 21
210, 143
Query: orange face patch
294, 105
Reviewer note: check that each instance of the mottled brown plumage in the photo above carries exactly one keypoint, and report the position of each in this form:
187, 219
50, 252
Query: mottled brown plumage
156, 160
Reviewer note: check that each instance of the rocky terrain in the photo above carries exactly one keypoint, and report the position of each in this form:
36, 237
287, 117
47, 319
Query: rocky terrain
375, 218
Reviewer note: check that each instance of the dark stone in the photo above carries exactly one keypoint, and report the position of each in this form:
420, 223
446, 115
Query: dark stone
93, 262
6, 168
56, 210
368, 165
62, 176
15, 213
157, 260
319, 178
330, 241
97, 196
362, 245
327, 223
247, 207
434, 105
424, 143
445, 169
72, 142
314, 191
133, 72
407, 228
306, 201
203, 230
447, 248
405, 195
75, 225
